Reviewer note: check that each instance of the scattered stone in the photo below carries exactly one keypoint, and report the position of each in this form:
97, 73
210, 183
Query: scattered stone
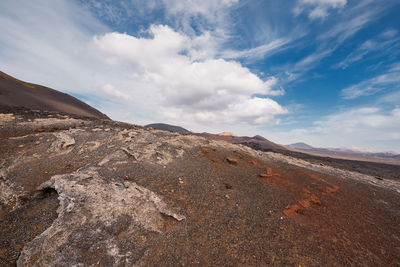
232, 161
227, 185
129, 153
64, 141
205, 149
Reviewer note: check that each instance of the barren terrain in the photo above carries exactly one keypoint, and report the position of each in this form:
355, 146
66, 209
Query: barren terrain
84, 191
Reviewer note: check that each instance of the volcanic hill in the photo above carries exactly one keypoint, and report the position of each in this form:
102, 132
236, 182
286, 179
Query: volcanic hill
16, 93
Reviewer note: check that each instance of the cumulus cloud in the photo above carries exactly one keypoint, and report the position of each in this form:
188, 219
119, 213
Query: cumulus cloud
318, 9
209, 90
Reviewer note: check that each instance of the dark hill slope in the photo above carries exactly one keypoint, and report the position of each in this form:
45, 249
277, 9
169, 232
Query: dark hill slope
16, 93
168, 127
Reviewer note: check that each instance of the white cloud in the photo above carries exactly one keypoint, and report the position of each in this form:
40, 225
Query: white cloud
318, 13
385, 43
351, 25
358, 127
258, 52
313, 59
330, 3
204, 7
209, 90
114, 93
318, 9
387, 80
352, 20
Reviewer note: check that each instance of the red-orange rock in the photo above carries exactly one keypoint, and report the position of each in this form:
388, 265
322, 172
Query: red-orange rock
331, 190
292, 210
315, 200
232, 160
205, 150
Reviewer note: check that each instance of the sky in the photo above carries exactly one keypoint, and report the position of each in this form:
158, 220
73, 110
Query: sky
324, 72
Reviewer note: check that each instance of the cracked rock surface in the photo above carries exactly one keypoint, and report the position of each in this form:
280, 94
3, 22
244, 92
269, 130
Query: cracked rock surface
76, 191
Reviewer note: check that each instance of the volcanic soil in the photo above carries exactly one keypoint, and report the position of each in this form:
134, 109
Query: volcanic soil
86, 191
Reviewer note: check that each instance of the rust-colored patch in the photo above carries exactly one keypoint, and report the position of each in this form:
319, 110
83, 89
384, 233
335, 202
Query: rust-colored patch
305, 187
315, 200
232, 161
205, 149
41, 130
292, 210
331, 190
305, 203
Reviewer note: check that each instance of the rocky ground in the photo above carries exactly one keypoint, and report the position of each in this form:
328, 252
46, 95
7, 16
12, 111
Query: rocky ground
83, 192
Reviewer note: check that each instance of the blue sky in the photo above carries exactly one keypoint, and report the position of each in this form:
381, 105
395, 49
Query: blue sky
324, 72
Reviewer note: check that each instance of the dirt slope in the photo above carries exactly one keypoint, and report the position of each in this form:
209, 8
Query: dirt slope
85, 192
16, 93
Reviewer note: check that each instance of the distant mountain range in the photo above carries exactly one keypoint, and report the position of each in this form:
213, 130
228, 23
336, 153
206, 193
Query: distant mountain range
17, 93
343, 151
